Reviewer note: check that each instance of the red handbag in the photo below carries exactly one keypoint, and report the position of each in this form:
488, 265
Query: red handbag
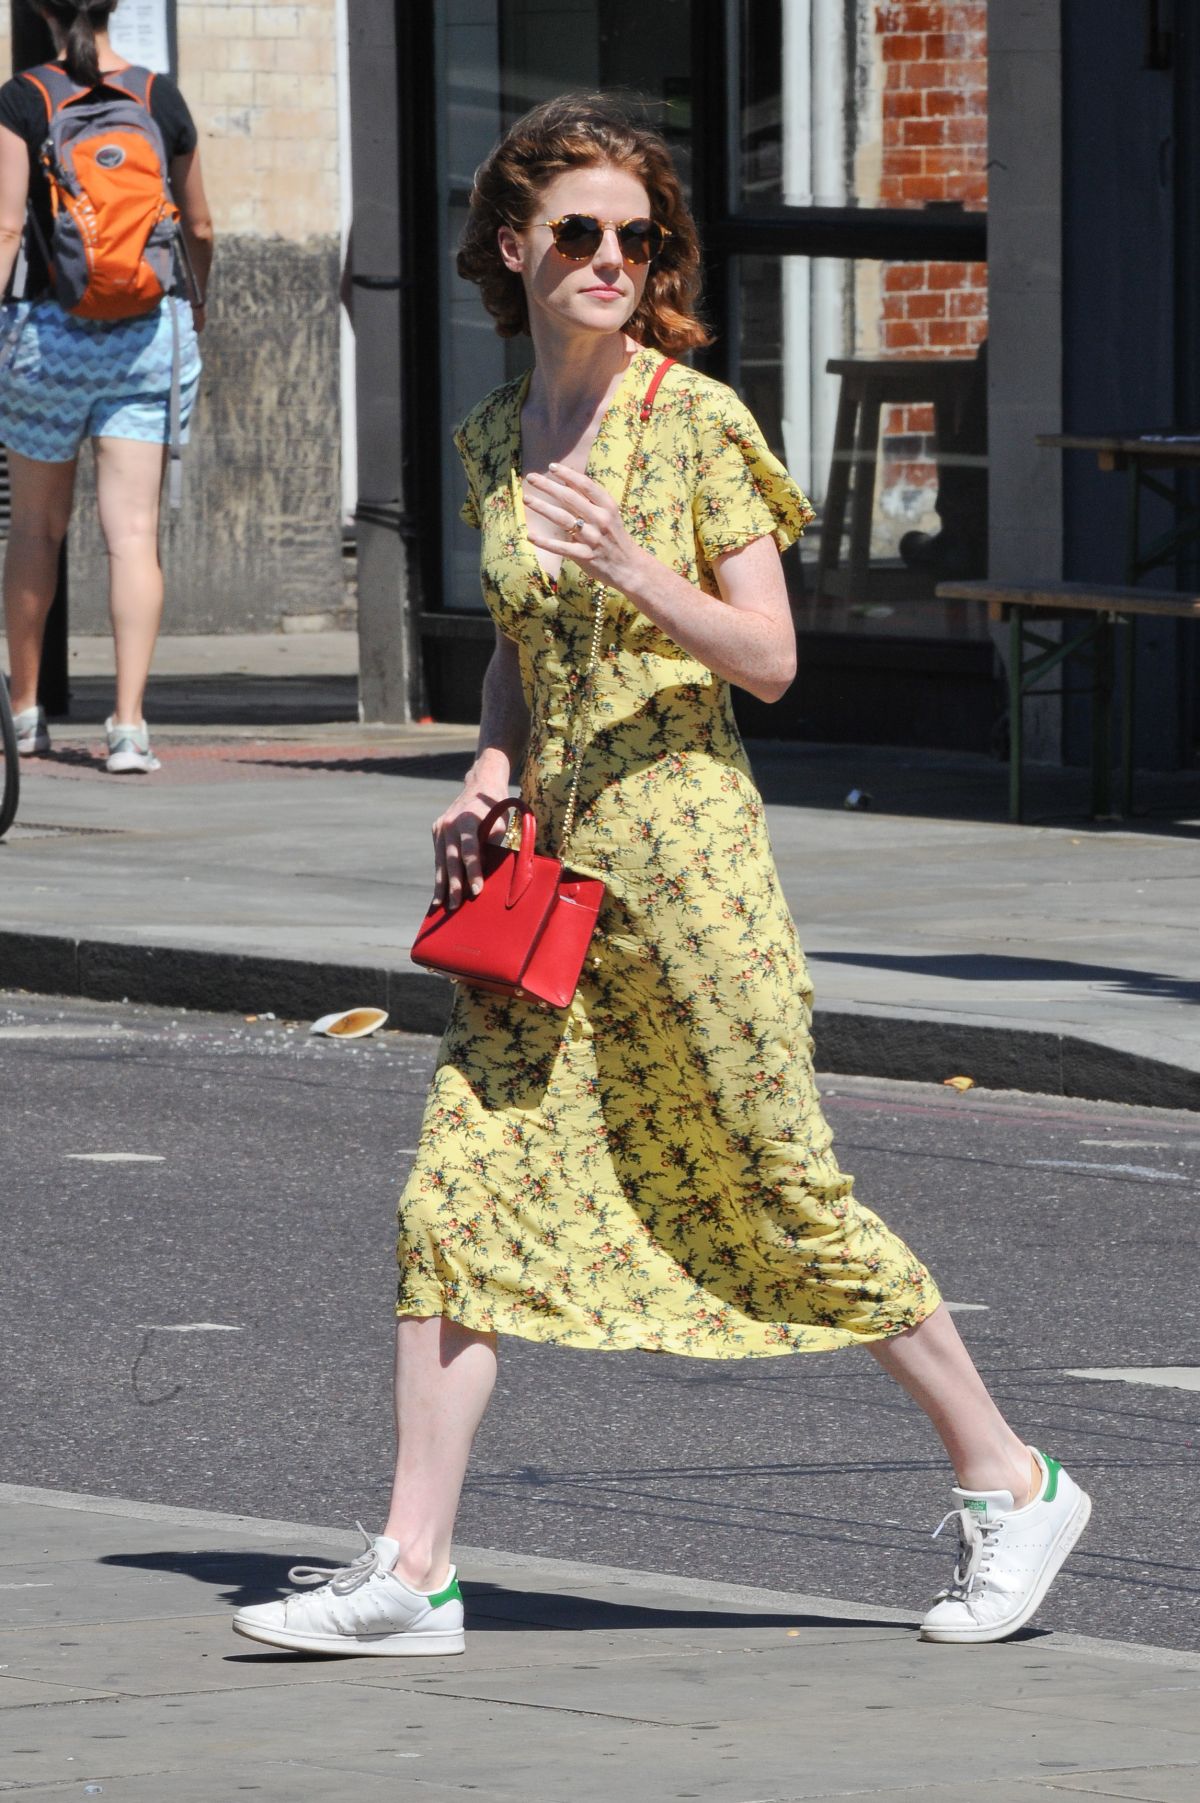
528, 929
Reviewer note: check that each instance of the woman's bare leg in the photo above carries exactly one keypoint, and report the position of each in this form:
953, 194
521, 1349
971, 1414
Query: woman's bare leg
41, 511
128, 487
931, 1363
444, 1379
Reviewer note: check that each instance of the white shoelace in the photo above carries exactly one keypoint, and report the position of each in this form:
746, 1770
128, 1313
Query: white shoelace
977, 1544
341, 1579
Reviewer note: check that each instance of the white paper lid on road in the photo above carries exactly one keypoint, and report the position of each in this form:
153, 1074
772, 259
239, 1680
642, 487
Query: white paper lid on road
351, 1023
140, 31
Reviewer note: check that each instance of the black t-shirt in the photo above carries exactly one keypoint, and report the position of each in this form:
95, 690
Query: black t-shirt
23, 111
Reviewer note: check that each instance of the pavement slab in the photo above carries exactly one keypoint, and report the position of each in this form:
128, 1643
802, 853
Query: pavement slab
1056, 957
293, 873
579, 1681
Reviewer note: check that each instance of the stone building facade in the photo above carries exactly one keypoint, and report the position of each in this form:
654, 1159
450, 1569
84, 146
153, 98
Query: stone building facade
258, 540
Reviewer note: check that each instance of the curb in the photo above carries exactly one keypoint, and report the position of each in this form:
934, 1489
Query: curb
913, 1047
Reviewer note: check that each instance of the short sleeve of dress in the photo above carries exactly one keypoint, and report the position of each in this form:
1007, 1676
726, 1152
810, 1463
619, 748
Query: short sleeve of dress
469, 511
742, 490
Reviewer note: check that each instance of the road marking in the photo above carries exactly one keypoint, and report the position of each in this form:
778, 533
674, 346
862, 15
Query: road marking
188, 1327
46, 1586
1166, 1377
1144, 1145
39, 1031
1110, 1170
117, 1157
966, 1308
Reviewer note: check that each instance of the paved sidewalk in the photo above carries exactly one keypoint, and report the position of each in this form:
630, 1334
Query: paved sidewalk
276, 864
581, 1684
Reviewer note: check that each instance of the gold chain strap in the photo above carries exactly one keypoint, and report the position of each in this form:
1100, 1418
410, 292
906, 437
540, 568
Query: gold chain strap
583, 719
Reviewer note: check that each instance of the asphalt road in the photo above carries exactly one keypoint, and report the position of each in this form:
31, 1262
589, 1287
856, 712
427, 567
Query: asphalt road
259, 1219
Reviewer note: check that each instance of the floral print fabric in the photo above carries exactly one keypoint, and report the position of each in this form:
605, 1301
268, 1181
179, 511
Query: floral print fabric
650, 1168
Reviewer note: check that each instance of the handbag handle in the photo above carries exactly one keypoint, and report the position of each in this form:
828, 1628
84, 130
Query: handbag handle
584, 717
522, 870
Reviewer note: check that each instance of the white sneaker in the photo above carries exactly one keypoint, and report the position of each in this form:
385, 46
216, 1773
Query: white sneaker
360, 1608
129, 748
32, 736
1009, 1557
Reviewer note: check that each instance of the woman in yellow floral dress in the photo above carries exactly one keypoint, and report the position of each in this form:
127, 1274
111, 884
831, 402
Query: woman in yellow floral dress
651, 1167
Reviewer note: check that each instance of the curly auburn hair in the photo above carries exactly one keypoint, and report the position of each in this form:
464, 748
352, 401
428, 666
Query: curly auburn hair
571, 132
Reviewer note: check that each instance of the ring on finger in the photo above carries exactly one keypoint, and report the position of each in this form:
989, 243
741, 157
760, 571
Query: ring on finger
575, 528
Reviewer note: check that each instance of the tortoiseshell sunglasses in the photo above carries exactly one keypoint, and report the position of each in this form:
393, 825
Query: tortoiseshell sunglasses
577, 236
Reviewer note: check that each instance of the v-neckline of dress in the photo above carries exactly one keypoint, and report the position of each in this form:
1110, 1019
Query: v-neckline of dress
516, 465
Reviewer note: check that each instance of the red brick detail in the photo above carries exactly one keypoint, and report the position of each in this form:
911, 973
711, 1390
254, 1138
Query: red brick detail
919, 132
898, 48
925, 75
900, 335
949, 334
934, 148
898, 103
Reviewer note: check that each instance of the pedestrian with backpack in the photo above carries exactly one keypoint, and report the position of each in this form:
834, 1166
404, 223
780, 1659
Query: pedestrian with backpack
105, 249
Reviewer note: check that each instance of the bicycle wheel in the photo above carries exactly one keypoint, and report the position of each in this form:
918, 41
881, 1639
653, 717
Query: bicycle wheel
10, 769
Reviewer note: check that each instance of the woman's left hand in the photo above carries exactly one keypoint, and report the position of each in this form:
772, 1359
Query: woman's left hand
592, 533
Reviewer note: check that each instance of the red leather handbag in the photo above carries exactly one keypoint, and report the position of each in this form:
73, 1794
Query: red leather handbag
528, 929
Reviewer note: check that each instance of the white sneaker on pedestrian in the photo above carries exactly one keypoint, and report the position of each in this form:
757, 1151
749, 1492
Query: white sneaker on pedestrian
33, 737
1008, 1558
129, 748
360, 1608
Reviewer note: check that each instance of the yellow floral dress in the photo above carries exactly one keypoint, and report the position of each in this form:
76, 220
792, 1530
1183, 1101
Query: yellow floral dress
650, 1168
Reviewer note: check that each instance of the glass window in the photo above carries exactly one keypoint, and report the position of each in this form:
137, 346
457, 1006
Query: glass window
872, 103
498, 58
870, 380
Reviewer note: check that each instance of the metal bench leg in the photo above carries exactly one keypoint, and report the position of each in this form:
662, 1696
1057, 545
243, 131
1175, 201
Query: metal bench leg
1016, 698
1128, 684
1102, 696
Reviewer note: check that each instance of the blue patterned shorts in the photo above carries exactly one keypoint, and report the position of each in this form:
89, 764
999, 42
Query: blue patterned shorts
64, 379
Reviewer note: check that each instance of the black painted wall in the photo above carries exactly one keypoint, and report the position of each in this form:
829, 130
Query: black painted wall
1131, 319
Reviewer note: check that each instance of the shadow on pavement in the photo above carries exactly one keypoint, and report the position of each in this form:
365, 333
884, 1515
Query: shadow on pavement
942, 785
255, 1577
995, 967
225, 700
936, 785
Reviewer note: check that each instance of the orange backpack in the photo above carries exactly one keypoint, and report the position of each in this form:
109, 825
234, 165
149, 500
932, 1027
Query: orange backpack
116, 248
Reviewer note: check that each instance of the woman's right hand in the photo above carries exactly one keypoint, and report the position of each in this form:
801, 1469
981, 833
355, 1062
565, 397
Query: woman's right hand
458, 869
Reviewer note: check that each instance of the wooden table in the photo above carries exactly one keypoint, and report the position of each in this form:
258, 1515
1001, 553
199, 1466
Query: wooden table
1103, 611
868, 384
1138, 454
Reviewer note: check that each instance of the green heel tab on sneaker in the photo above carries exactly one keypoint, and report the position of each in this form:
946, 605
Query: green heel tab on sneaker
1053, 1467
450, 1594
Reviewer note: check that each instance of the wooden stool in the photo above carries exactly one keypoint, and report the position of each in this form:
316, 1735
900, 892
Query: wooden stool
868, 384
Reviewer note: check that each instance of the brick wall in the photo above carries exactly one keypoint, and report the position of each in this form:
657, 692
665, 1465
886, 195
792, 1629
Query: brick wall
934, 148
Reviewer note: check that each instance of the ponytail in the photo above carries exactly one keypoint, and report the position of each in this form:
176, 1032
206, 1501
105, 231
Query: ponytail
78, 21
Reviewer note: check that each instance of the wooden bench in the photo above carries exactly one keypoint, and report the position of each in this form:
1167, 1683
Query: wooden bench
1107, 609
